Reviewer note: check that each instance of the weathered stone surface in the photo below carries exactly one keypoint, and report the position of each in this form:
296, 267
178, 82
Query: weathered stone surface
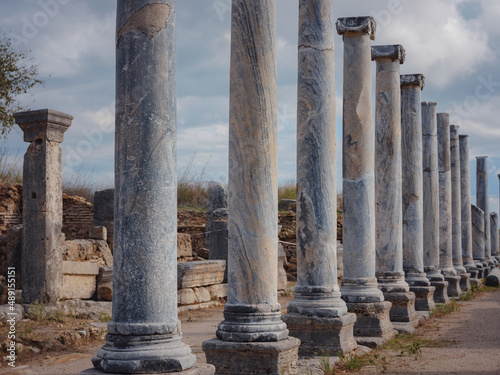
42, 204
456, 204
79, 279
388, 183
7, 313
144, 334
82, 250
288, 204
478, 236
219, 243
197, 369
465, 281
424, 297
412, 179
359, 283
282, 278
98, 233
257, 358
217, 291
403, 306
105, 284
104, 212
184, 248
430, 191
216, 242
252, 311
441, 292
466, 222
482, 201
201, 273
320, 335
372, 320
454, 289
317, 292
493, 279
494, 235
445, 196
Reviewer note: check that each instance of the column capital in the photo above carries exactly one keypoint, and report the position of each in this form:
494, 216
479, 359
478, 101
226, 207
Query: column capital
357, 25
413, 80
393, 52
481, 157
45, 124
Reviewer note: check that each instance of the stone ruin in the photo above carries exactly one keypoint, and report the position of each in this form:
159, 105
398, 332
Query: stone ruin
411, 238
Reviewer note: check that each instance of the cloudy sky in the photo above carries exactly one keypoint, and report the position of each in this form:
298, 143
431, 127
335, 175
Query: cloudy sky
454, 43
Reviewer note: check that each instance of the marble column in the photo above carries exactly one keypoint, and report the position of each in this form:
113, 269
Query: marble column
359, 284
483, 202
431, 202
388, 185
456, 209
144, 334
317, 308
445, 201
494, 235
412, 193
252, 325
478, 240
42, 204
465, 203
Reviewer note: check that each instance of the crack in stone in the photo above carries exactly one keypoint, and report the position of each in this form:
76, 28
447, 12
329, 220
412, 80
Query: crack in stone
316, 49
148, 20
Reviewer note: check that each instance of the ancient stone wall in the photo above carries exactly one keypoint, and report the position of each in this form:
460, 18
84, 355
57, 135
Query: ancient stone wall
78, 217
10, 206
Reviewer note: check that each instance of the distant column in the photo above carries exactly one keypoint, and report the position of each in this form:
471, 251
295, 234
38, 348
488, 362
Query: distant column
494, 235
412, 190
317, 306
359, 284
483, 202
431, 202
445, 201
478, 239
42, 204
252, 334
456, 209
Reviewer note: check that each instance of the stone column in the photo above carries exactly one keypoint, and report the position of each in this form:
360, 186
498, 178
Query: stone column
252, 335
482, 202
431, 202
42, 204
359, 284
456, 209
216, 228
144, 334
412, 193
388, 185
317, 306
494, 235
478, 239
445, 201
468, 259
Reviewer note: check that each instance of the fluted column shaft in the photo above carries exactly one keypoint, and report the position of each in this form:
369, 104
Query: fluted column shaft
445, 196
478, 236
317, 290
465, 203
388, 194
359, 283
482, 200
430, 191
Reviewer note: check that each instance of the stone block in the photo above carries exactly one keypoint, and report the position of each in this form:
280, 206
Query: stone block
465, 282
373, 321
282, 279
256, 358
203, 273
441, 292
493, 279
424, 297
6, 311
105, 284
184, 247
197, 369
98, 233
453, 286
186, 296
287, 205
217, 291
79, 279
202, 295
403, 306
322, 335
104, 205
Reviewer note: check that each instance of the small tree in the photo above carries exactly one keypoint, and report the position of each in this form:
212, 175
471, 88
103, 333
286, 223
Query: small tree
18, 74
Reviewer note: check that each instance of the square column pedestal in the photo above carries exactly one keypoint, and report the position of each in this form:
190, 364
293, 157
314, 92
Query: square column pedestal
424, 297
454, 289
441, 292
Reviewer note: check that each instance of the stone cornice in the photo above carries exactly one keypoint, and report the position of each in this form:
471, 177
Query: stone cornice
393, 52
357, 25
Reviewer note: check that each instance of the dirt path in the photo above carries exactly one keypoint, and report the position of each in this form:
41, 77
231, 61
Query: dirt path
466, 342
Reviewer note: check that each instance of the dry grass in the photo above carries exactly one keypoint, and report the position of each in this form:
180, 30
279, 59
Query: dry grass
287, 190
192, 190
11, 169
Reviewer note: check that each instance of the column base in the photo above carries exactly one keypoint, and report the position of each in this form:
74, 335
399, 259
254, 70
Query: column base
322, 335
197, 369
143, 354
465, 281
473, 273
373, 326
476, 283
453, 286
424, 297
441, 292
403, 306
361, 291
230, 358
